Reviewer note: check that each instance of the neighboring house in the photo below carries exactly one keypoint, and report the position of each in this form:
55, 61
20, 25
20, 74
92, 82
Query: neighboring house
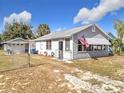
66, 44
18, 45
111, 36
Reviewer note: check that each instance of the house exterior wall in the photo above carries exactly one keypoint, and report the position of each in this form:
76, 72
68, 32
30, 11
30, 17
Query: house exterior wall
88, 34
38, 46
41, 48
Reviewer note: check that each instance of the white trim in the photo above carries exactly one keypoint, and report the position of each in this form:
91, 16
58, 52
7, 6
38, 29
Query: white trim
72, 48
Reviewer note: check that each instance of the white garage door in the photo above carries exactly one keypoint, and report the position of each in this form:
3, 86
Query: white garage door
18, 48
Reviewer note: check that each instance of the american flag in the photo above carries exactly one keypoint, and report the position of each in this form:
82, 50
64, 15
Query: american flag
84, 41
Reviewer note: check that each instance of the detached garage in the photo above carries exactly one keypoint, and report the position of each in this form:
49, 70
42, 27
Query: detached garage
16, 46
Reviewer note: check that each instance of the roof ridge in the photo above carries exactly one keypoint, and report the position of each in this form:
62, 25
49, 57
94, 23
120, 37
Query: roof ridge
65, 33
73, 28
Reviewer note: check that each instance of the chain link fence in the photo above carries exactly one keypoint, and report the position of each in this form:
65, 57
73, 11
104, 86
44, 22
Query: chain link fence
12, 61
16, 61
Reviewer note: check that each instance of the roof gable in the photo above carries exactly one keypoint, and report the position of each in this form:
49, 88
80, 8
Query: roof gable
17, 40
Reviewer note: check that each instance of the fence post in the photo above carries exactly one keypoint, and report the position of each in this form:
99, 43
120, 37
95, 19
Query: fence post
29, 54
29, 59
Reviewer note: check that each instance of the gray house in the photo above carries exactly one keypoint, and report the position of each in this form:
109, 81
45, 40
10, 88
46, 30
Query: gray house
66, 44
18, 45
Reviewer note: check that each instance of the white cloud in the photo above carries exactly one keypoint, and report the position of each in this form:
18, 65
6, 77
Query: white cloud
96, 13
60, 29
85, 22
24, 17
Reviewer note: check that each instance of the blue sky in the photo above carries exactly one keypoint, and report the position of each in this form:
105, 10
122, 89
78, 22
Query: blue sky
60, 14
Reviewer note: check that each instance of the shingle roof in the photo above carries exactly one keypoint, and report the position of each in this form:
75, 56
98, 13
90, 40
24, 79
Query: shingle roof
68, 33
62, 34
17, 40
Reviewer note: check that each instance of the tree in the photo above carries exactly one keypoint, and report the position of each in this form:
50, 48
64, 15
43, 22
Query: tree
1, 37
117, 46
16, 30
119, 26
42, 30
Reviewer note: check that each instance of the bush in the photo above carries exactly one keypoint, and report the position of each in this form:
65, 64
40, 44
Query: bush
118, 46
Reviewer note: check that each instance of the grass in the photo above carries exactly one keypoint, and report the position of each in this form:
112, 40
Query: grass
8, 62
108, 66
36, 79
5, 61
43, 78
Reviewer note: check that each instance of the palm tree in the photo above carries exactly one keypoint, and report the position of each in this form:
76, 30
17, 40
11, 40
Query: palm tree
119, 26
118, 45
43, 29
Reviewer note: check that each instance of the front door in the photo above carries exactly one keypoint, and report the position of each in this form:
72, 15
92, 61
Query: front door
60, 49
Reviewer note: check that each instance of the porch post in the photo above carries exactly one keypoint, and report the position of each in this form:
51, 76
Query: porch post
72, 50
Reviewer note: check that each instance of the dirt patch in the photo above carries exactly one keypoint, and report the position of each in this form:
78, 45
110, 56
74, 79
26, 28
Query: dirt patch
47, 78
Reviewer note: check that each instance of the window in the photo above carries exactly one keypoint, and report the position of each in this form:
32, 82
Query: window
103, 47
99, 47
95, 47
48, 44
67, 44
80, 46
90, 48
